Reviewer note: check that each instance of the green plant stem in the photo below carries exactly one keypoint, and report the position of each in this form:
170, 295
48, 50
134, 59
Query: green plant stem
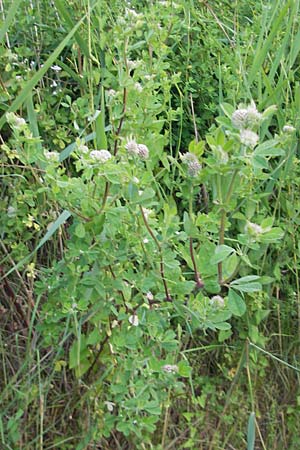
223, 218
199, 282
162, 272
221, 242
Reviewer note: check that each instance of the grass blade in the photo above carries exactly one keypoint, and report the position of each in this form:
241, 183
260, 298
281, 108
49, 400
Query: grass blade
63, 12
251, 432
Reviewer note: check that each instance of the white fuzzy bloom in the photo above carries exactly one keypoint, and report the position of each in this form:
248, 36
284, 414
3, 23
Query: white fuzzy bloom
138, 87
253, 228
135, 180
132, 147
111, 93
192, 163
11, 211
56, 68
100, 155
132, 64
239, 118
244, 118
52, 156
15, 121
288, 129
143, 151
170, 368
149, 296
253, 116
134, 320
147, 212
249, 138
83, 148
109, 406
217, 300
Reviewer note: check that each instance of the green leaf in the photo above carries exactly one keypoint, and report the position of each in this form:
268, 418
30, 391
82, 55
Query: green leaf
197, 147
227, 109
249, 283
236, 303
80, 230
184, 370
221, 253
190, 229
222, 326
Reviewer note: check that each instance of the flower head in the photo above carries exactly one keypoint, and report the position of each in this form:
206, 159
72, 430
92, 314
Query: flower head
100, 155
134, 320
192, 163
288, 129
52, 156
253, 228
170, 368
132, 147
143, 151
244, 118
249, 138
217, 300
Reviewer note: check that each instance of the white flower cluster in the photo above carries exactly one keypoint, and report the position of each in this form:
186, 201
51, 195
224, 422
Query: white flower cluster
16, 122
217, 301
134, 320
170, 368
253, 228
249, 138
135, 149
192, 163
52, 156
100, 155
246, 120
